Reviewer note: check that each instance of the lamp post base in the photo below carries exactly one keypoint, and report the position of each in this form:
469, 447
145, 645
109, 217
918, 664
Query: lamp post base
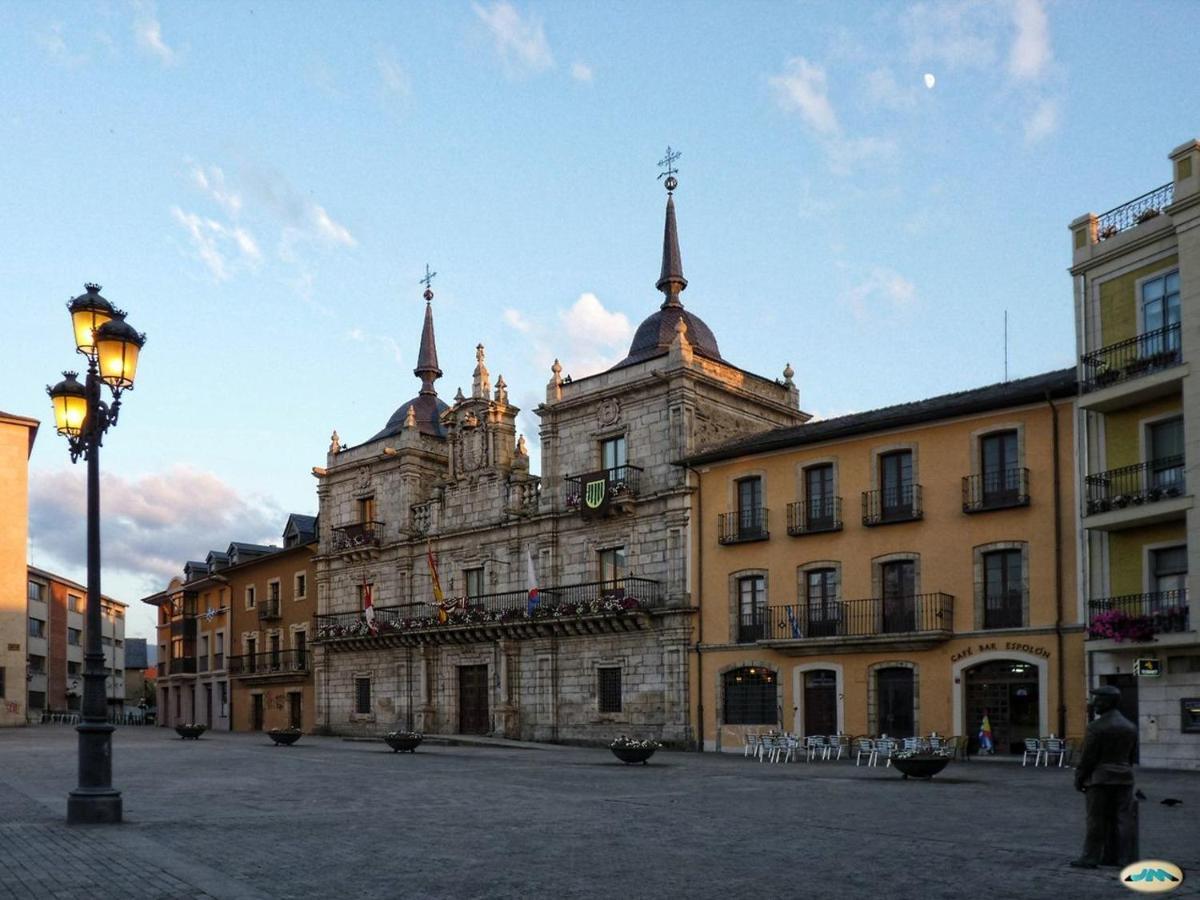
99, 807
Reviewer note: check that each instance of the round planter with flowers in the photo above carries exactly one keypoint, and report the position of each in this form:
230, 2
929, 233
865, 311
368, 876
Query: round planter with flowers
190, 731
403, 741
632, 751
923, 764
285, 736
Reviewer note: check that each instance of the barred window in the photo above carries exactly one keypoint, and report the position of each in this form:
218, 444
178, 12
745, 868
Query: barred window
608, 688
362, 696
750, 697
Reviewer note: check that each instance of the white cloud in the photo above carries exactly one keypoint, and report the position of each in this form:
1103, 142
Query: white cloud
1042, 122
148, 32
395, 80
55, 45
581, 71
360, 336
209, 238
588, 321
1031, 53
802, 88
960, 35
514, 319
212, 182
587, 337
520, 42
152, 524
329, 230
883, 291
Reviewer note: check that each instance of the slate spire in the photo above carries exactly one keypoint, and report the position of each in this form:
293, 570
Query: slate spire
671, 281
427, 362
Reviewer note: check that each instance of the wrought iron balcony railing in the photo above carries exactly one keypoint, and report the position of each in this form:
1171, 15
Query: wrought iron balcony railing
888, 505
814, 516
1148, 482
268, 609
1133, 357
1135, 212
742, 526
184, 665
995, 490
872, 617
1138, 617
359, 534
621, 482
273, 662
617, 597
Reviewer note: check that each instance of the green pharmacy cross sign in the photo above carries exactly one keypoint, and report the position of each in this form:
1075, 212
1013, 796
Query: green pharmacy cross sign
1147, 668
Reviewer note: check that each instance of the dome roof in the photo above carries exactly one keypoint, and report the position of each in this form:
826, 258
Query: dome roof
427, 409
654, 336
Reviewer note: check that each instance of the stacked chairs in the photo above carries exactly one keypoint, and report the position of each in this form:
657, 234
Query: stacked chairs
865, 746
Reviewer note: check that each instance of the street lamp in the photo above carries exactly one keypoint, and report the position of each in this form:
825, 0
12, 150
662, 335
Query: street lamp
111, 347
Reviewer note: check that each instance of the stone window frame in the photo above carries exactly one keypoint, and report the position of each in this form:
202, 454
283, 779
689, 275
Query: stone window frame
355, 715
873, 692
798, 673
296, 576
731, 487
1144, 432
979, 434
1140, 283
802, 571
610, 434
802, 478
247, 636
735, 598
883, 450
298, 628
719, 706
1148, 557
278, 583
620, 664
250, 594
218, 635
978, 552
877, 563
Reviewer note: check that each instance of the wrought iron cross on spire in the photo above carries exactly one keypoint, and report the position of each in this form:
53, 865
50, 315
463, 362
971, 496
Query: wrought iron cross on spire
667, 163
427, 280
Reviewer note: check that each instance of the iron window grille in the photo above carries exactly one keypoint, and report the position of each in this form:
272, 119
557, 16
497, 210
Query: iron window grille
608, 688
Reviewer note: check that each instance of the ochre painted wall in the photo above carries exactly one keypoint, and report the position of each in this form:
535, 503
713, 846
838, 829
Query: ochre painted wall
1125, 555
1123, 430
1119, 303
16, 439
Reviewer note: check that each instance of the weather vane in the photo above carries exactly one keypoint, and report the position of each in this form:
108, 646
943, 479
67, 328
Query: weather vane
427, 280
668, 164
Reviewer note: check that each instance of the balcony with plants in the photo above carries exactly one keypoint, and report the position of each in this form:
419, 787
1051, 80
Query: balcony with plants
1140, 494
912, 621
1138, 618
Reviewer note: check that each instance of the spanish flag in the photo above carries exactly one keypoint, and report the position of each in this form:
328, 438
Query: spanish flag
439, 599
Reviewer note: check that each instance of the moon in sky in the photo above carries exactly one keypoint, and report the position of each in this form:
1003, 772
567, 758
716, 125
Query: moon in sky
930, 81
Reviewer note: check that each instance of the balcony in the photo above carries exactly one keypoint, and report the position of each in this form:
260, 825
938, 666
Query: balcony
598, 493
599, 607
1140, 494
1132, 371
272, 664
268, 610
995, 490
912, 622
1136, 618
891, 505
1138, 210
814, 516
742, 526
184, 665
1004, 609
361, 539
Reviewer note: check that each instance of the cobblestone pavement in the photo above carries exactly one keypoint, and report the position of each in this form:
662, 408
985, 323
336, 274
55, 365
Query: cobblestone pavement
234, 816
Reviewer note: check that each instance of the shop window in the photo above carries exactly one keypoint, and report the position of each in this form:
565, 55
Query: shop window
751, 697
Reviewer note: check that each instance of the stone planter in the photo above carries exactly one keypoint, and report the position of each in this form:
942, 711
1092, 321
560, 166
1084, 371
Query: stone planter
633, 755
285, 736
920, 766
406, 741
190, 732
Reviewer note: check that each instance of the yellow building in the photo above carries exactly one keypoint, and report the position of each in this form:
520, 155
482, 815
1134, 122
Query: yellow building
901, 571
1137, 311
16, 443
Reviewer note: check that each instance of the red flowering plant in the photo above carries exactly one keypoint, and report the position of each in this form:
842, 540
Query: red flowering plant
1118, 625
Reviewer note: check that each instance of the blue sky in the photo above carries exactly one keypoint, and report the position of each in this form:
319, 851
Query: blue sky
260, 186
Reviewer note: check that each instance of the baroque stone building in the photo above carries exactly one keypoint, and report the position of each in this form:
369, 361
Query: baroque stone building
604, 534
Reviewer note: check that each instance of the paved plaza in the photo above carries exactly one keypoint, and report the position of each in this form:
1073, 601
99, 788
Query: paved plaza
232, 815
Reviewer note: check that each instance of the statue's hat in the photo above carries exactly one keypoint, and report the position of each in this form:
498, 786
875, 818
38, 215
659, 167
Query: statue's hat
1106, 690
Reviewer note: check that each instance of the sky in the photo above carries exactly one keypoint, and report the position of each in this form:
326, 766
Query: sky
260, 185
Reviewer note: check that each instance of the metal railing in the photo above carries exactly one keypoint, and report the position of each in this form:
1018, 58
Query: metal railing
1147, 482
995, 490
1133, 357
814, 516
744, 525
268, 609
896, 504
273, 662
359, 534
185, 665
872, 617
1138, 617
1135, 212
615, 597
1004, 609
623, 481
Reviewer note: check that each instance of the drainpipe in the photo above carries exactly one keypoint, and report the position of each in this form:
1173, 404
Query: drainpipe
699, 533
1058, 578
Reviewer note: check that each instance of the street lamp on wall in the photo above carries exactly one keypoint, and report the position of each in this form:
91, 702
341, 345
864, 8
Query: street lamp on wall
111, 347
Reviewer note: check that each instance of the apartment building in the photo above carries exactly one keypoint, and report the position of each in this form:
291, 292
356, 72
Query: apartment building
17, 434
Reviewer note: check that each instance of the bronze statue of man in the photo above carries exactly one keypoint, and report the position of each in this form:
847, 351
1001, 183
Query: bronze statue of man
1105, 776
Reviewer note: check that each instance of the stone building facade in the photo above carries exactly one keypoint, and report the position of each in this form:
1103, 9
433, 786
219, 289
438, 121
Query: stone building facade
604, 535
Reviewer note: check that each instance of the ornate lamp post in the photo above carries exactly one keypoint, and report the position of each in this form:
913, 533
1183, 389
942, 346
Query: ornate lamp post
81, 415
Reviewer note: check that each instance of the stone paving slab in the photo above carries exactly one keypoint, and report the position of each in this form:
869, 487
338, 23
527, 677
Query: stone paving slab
232, 815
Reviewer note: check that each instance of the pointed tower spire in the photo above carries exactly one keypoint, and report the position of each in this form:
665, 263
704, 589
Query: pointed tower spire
427, 362
671, 281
